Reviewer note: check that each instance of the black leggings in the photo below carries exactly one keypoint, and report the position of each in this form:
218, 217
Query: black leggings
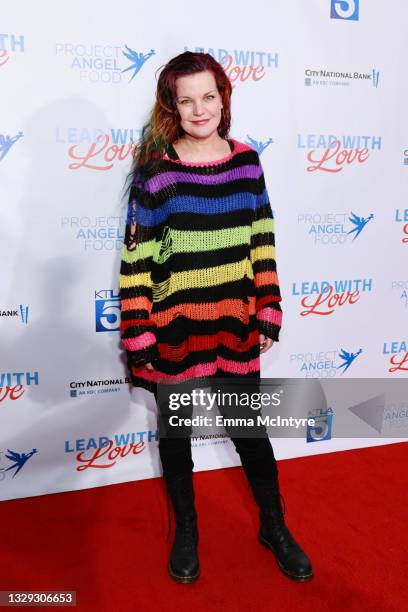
256, 454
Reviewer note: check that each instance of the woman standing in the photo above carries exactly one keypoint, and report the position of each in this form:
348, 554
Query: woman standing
199, 289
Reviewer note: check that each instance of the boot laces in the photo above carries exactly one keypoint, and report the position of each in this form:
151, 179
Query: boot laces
186, 534
186, 527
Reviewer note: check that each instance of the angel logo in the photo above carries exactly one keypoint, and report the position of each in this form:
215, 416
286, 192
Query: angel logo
359, 223
348, 359
136, 60
331, 227
6, 142
258, 145
18, 461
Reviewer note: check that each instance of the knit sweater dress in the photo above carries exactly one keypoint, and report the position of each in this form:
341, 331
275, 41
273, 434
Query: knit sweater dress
198, 278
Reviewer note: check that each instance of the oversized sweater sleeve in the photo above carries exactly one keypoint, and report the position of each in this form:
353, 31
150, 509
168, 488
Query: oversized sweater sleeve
135, 286
268, 296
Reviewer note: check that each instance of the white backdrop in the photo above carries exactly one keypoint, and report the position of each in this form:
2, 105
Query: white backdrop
320, 89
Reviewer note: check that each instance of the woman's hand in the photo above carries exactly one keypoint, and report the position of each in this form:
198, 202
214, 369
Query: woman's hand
265, 343
149, 367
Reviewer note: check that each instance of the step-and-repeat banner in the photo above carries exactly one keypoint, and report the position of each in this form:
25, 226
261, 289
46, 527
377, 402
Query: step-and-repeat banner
319, 89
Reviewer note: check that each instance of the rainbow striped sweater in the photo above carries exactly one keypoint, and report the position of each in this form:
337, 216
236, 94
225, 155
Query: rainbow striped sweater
198, 278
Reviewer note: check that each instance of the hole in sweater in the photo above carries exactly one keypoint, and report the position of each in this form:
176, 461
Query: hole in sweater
160, 290
166, 250
177, 352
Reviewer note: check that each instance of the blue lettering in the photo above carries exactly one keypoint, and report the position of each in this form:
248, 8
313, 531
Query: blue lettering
122, 440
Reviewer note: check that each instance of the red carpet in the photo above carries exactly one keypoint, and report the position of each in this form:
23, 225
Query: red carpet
347, 509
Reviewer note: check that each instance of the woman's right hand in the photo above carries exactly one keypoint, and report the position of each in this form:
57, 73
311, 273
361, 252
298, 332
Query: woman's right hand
149, 367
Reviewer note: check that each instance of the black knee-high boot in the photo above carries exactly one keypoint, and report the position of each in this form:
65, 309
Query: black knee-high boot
183, 564
273, 532
177, 463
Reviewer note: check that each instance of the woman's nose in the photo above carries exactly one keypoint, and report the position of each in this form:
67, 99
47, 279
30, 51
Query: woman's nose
197, 109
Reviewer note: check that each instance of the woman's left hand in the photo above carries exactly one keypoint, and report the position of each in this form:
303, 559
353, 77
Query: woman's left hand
265, 343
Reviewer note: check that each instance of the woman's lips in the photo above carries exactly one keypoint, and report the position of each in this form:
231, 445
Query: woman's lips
201, 122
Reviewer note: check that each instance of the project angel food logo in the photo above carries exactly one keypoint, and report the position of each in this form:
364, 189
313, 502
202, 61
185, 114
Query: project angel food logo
105, 452
6, 143
107, 310
87, 388
319, 77
334, 153
104, 63
12, 462
10, 44
20, 313
242, 65
331, 228
326, 297
328, 363
94, 148
14, 384
96, 233
401, 217
396, 354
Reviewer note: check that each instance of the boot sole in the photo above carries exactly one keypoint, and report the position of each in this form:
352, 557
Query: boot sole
296, 577
182, 579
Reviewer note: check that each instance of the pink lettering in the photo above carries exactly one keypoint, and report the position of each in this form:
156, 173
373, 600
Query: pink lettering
399, 364
11, 392
4, 57
111, 455
243, 73
107, 153
330, 300
338, 157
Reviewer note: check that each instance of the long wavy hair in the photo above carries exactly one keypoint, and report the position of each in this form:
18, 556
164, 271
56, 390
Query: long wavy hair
163, 126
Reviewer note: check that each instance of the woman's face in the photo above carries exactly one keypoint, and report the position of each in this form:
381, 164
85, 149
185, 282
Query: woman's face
199, 104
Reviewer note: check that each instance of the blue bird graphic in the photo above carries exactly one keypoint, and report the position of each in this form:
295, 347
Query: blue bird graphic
137, 60
6, 142
19, 459
359, 222
348, 358
258, 145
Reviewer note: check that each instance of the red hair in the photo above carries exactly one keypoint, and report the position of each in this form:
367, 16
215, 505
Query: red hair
163, 127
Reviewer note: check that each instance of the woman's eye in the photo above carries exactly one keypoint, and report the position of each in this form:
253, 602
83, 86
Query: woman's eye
210, 97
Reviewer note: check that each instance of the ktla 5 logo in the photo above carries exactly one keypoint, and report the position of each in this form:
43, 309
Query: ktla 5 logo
322, 429
107, 310
344, 9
